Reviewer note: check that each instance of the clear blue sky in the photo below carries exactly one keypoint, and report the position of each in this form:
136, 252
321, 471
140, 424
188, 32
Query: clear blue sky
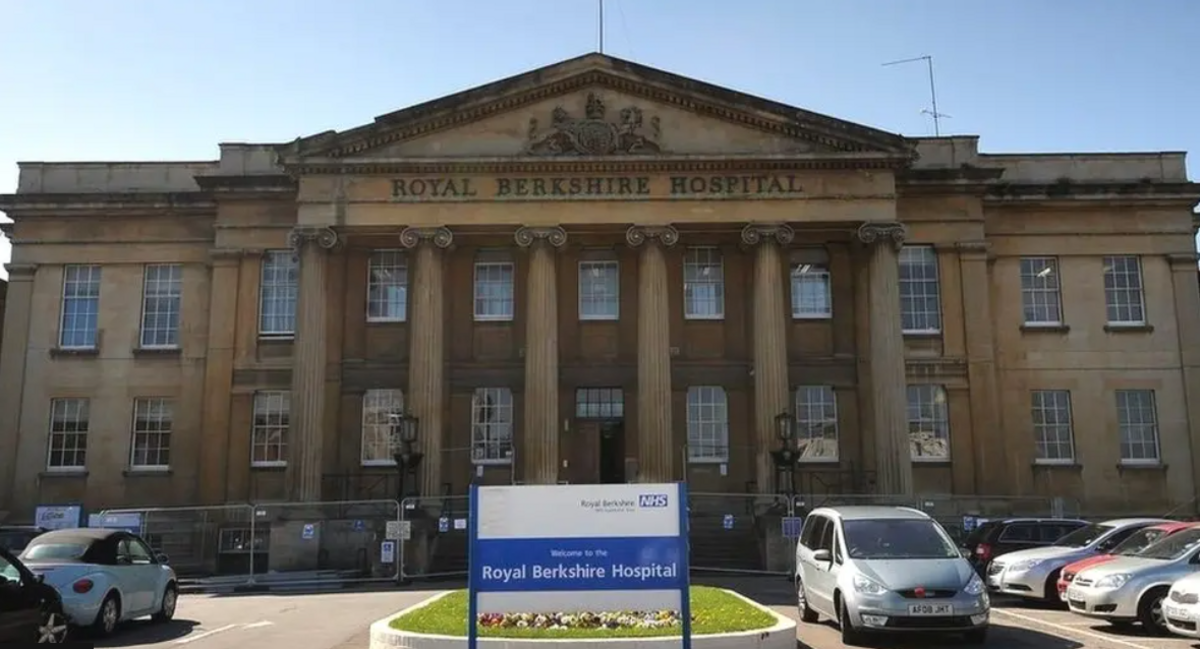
126, 80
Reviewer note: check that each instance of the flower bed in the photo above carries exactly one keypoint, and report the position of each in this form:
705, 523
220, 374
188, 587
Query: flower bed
714, 611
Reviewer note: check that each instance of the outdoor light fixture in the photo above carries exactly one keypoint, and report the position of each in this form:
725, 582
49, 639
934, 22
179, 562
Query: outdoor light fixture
785, 457
403, 428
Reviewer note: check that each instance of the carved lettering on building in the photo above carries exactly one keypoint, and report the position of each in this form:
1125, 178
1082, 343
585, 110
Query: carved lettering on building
433, 189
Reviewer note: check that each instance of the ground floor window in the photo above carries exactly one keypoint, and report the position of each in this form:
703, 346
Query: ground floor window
491, 426
707, 424
817, 423
928, 423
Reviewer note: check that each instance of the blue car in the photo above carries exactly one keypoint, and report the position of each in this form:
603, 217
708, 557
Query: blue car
104, 576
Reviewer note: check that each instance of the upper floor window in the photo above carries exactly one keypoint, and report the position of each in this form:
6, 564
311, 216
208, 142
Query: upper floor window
599, 290
387, 286
1137, 419
817, 423
277, 293
80, 307
492, 426
707, 424
811, 294
162, 291
1123, 296
494, 290
269, 436
70, 422
1041, 297
379, 406
153, 421
703, 284
920, 297
928, 423
1052, 434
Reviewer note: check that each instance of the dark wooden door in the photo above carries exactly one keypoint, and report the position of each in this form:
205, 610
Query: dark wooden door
582, 446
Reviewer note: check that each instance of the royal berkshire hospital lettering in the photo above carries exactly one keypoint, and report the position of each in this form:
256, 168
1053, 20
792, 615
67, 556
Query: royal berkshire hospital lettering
579, 571
613, 187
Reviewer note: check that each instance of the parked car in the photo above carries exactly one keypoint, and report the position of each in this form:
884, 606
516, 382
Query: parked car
30, 611
104, 576
1033, 574
997, 538
1181, 609
1138, 541
14, 538
886, 570
1133, 589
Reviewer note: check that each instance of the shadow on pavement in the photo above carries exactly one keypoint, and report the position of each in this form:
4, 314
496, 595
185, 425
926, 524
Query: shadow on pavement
145, 632
1005, 637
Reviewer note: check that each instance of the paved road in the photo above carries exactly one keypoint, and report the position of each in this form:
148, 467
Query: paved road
340, 619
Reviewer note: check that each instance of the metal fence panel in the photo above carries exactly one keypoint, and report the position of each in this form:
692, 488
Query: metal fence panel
221, 540
435, 540
739, 533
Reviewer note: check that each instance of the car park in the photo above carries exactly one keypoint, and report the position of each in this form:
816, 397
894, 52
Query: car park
886, 570
996, 538
104, 576
1138, 541
1134, 589
1034, 573
30, 610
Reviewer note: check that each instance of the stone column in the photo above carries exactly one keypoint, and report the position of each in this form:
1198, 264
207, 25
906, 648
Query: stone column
656, 453
307, 416
770, 343
427, 344
539, 448
893, 460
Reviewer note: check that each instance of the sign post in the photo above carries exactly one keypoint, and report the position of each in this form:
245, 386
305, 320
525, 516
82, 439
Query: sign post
578, 548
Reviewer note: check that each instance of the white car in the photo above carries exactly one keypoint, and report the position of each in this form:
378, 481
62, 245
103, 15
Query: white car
1181, 607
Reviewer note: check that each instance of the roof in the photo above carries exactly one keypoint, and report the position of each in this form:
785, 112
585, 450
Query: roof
1034, 519
872, 512
1122, 522
78, 535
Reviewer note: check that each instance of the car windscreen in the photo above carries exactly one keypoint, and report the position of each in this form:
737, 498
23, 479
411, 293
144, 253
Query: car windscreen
898, 538
1173, 546
1139, 540
54, 552
1084, 536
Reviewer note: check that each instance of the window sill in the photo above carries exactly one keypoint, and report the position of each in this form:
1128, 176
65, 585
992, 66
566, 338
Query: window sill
607, 318
1037, 328
803, 317
921, 335
64, 473
1156, 466
74, 352
148, 473
1128, 328
704, 318
938, 463
268, 467
1065, 466
276, 339
383, 322
157, 352
487, 463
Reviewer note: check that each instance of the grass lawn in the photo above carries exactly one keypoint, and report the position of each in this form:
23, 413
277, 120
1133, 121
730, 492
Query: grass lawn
713, 611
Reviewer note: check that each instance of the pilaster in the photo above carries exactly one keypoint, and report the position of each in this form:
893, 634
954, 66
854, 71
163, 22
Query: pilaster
225, 267
1186, 286
988, 450
13, 356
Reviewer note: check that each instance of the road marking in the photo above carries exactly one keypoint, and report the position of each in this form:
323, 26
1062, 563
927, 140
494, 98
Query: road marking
258, 624
1028, 619
201, 636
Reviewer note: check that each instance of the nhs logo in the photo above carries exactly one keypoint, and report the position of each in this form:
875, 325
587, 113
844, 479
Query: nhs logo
652, 500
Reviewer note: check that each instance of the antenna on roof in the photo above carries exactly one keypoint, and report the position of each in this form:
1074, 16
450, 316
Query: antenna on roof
937, 117
601, 6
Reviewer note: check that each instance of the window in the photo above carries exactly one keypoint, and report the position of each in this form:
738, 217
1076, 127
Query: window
153, 420
1040, 291
69, 422
817, 423
268, 439
1123, 296
928, 423
80, 307
920, 298
387, 286
378, 408
707, 424
1052, 426
703, 284
277, 294
811, 295
599, 403
599, 290
493, 290
162, 288
1138, 422
814, 529
492, 426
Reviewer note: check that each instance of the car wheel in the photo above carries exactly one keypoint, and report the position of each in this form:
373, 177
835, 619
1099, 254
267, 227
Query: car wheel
807, 615
108, 616
52, 627
851, 637
1050, 593
1150, 611
169, 600
977, 636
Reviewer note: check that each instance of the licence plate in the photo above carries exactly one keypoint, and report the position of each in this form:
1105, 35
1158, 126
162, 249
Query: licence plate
1176, 613
930, 609
1073, 593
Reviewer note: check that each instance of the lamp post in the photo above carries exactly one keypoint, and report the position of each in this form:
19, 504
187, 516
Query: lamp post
402, 435
785, 457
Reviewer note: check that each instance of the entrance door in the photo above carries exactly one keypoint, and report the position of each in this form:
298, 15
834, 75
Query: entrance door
612, 452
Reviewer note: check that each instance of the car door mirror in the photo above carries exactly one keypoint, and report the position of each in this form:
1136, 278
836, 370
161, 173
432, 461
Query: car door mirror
162, 558
822, 556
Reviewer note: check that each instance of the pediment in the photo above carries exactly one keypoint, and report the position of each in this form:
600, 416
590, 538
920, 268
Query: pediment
598, 106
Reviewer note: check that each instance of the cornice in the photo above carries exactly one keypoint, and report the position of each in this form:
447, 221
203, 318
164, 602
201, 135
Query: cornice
1110, 192
128, 204
259, 184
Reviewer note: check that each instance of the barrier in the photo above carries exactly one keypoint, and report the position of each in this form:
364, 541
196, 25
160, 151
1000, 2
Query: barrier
435, 542
740, 533
201, 541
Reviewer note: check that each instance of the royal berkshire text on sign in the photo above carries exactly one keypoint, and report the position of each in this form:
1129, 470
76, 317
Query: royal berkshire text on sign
472, 188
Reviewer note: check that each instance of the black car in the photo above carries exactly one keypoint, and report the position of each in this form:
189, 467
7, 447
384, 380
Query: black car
14, 538
30, 611
999, 537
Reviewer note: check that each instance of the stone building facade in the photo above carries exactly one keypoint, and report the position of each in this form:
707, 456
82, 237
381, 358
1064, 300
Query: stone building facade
599, 272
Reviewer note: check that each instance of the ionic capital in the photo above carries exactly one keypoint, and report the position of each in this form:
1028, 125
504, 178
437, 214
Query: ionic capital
871, 233
666, 235
554, 235
324, 237
440, 236
756, 233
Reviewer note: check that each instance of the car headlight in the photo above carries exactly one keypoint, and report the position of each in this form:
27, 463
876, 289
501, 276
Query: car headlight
1113, 581
867, 586
1022, 566
974, 586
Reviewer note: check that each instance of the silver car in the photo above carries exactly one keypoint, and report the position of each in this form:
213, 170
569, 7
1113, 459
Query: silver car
886, 570
1132, 589
1033, 573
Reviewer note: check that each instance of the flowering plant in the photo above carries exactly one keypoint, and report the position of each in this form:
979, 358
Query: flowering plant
587, 620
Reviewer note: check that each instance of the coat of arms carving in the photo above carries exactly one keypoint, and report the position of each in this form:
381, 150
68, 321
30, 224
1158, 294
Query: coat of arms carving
593, 135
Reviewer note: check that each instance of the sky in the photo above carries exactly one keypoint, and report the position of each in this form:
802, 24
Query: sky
127, 80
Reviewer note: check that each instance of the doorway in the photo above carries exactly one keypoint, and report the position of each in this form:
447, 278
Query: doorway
612, 452
599, 453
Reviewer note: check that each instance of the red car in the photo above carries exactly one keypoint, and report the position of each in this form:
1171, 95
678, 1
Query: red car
1137, 542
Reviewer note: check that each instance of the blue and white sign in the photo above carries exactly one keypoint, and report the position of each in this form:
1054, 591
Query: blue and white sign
727, 521
792, 527
130, 522
576, 548
308, 531
58, 517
